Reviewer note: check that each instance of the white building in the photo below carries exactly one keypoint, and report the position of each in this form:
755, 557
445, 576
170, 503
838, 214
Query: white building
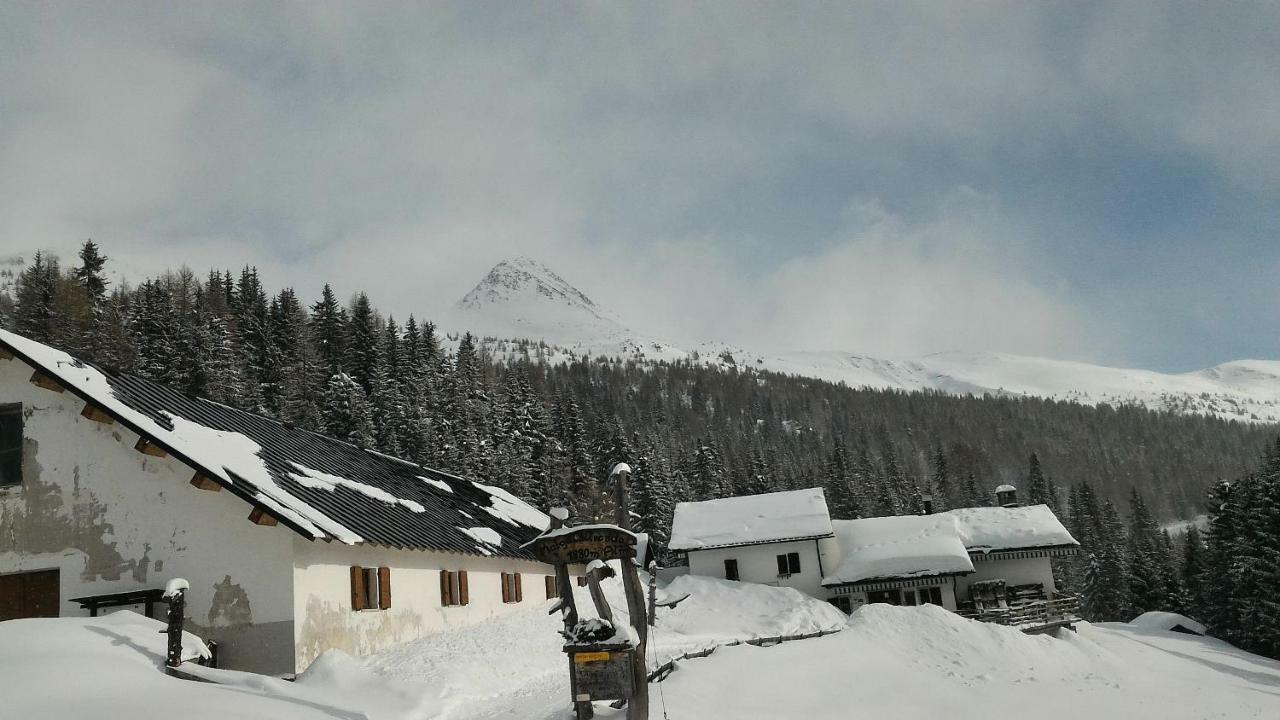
293, 542
971, 558
777, 538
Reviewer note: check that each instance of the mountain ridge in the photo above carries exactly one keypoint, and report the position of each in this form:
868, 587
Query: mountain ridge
522, 298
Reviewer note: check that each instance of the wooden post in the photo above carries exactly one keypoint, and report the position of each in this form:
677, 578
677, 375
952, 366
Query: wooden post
177, 606
653, 592
638, 707
569, 608
597, 595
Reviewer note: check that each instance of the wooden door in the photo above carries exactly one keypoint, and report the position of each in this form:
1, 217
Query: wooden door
29, 595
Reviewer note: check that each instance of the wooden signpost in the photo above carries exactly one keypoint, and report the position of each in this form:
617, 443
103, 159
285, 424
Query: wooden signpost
604, 664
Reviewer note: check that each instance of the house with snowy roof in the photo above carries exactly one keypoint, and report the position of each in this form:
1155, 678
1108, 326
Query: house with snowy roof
293, 542
969, 559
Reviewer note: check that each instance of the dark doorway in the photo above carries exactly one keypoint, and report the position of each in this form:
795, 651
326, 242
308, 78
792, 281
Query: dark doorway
29, 595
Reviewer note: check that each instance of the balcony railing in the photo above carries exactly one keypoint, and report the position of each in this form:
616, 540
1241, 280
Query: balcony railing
1033, 615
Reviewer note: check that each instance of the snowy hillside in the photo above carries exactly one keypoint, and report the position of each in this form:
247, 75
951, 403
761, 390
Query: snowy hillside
523, 300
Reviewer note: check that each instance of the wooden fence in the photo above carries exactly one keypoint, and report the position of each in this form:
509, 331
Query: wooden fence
661, 672
1033, 616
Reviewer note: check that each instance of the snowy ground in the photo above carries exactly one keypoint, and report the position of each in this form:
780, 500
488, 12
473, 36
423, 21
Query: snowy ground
887, 662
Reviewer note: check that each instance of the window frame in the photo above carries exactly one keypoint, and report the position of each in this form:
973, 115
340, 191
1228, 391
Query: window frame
512, 590
11, 456
370, 588
454, 590
731, 570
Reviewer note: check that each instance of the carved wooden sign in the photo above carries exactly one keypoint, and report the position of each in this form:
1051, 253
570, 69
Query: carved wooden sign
584, 543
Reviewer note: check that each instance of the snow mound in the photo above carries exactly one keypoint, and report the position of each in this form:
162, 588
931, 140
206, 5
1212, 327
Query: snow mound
1156, 620
515, 660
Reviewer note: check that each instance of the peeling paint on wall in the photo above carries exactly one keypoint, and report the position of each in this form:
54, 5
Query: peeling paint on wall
230, 606
330, 626
41, 523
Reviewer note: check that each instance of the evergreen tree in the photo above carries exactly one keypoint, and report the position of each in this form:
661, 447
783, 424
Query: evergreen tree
345, 411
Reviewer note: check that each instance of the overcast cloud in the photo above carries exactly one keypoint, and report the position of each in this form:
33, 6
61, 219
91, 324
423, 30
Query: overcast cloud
1088, 181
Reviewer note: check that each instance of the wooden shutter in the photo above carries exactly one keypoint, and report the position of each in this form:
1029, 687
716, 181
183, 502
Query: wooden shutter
782, 564
550, 583
384, 587
463, 596
359, 596
446, 589
506, 589
793, 561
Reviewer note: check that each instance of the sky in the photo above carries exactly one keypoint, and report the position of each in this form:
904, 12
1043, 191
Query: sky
1088, 181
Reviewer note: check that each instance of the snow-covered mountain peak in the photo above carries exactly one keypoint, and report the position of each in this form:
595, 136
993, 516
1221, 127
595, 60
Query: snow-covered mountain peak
521, 297
523, 280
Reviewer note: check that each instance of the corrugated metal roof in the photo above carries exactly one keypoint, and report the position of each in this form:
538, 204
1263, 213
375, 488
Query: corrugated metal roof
282, 449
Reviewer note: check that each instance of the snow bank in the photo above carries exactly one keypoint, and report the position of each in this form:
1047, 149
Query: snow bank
923, 662
898, 547
794, 514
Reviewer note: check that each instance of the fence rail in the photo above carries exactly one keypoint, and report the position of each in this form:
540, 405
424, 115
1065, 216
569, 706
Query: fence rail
661, 672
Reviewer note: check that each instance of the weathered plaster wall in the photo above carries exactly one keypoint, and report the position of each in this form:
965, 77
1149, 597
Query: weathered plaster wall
111, 519
322, 601
759, 564
1022, 571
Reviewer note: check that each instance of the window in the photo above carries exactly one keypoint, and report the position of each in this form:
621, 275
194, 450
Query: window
788, 564
582, 581
511, 590
553, 590
730, 569
931, 596
29, 595
10, 444
909, 597
891, 597
370, 588
453, 588
843, 603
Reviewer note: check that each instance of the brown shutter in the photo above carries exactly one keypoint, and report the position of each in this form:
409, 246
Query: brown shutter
446, 589
359, 599
463, 596
506, 596
519, 589
384, 587
550, 582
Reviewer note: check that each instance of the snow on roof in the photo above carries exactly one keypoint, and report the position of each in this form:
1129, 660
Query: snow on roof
1006, 488
360, 496
986, 529
1157, 620
750, 519
898, 547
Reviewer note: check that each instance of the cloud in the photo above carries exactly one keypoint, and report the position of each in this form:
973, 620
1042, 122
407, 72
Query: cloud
705, 167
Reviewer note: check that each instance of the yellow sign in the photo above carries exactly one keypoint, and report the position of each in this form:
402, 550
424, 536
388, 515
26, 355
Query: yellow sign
584, 658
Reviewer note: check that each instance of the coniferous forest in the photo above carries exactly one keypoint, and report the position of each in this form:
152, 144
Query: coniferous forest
492, 410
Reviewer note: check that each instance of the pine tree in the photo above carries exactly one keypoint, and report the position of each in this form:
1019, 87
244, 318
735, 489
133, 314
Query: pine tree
36, 314
1147, 589
1193, 573
345, 411
944, 495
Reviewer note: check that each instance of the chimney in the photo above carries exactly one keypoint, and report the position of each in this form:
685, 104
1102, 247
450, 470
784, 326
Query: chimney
926, 504
1007, 496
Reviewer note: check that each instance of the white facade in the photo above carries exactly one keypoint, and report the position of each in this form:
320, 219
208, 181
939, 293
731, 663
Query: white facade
759, 564
322, 596
111, 519
1013, 570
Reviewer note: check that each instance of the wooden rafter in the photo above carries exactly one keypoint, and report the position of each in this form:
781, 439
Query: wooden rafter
40, 379
204, 482
146, 447
96, 414
262, 517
